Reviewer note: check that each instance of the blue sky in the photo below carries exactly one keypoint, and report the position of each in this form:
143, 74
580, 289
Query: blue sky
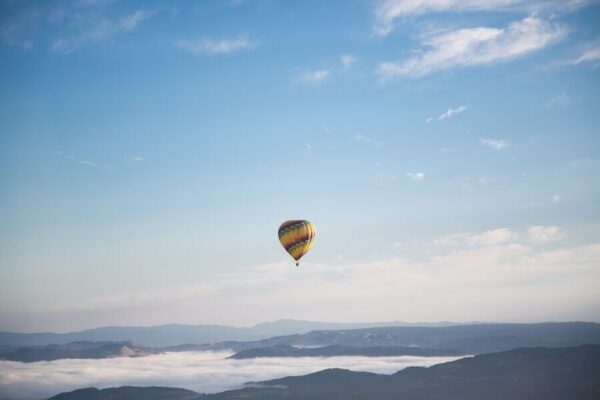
448, 153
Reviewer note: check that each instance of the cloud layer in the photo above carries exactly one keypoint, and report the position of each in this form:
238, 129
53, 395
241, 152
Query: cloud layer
200, 371
212, 46
104, 29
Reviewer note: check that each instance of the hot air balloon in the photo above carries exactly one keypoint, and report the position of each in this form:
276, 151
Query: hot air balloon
297, 237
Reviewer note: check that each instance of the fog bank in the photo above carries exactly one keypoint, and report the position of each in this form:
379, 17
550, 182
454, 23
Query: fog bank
203, 372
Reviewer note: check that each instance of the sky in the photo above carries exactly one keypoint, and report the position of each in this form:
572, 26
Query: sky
448, 153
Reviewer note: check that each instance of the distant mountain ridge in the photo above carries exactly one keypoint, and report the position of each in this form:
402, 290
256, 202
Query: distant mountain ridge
79, 350
374, 342
470, 339
129, 393
179, 334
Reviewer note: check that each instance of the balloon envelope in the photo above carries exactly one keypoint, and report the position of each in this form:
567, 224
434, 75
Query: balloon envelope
297, 237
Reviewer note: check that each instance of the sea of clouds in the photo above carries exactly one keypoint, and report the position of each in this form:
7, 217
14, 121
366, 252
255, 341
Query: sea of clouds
205, 372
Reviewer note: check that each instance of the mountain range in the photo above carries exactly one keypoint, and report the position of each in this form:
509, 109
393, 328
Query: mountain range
469, 339
373, 342
178, 334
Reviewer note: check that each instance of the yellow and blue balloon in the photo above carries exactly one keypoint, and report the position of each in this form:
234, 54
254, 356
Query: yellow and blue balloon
297, 237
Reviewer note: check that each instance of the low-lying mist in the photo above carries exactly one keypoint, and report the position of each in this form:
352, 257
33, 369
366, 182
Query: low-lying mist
204, 372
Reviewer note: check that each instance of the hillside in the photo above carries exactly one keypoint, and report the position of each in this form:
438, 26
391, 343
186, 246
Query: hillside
93, 350
522, 374
129, 393
527, 373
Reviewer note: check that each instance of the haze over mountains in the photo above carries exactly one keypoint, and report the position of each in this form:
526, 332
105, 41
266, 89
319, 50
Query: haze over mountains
377, 349
177, 334
371, 342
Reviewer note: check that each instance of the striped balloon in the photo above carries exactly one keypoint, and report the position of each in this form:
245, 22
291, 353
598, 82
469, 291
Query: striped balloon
297, 237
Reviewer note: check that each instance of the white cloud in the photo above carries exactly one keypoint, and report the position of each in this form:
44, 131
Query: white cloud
436, 283
137, 158
308, 146
347, 60
205, 372
476, 47
388, 11
543, 234
449, 113
366, 139
88, 163
495, 144
590, 54
313, 77
16, 30
94, 3
560, 100
212, 46
104, 29
556, 198
488, 238
326, 129
416, 176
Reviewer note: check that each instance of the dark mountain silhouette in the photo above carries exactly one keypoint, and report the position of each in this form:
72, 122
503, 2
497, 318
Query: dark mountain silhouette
526, 373
77, 350
129, 393
340, 350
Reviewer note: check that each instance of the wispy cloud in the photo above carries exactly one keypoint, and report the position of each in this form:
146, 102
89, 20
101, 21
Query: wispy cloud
495, 144
93, 3
556, 198
475, 47
325, 129
137, 158
347, 60
560, 100
104, 29
210, 46
387, 12
313, 77
367, 140
449, 113
544, 234
416, 176
17, 27
589, 54
488, 238
308, 146
83, 162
